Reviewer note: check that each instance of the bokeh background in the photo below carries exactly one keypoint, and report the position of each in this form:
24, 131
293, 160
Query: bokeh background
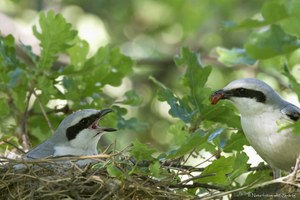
151, 32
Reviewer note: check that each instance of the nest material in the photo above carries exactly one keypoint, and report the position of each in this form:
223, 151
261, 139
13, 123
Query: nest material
45, 179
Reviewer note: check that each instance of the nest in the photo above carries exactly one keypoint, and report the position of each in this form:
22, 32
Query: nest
53, 179
116, 176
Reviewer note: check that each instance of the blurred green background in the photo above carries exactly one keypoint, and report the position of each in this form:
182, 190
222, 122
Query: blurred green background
151, 32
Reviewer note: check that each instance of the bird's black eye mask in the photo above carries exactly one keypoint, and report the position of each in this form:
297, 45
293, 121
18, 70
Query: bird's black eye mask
238, 92
72, 131
88, 122
247, 93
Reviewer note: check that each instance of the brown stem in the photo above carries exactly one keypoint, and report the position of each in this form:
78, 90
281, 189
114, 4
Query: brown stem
43, 111
23, 123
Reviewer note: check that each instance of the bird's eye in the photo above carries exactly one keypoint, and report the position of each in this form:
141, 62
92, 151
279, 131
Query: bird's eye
241, 90
84, 122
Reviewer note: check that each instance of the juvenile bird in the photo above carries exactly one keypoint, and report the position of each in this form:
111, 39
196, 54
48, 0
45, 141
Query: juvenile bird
264, 114
78, 134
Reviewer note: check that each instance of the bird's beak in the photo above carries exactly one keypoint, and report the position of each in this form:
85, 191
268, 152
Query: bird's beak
101, 114
218, 95
104, 112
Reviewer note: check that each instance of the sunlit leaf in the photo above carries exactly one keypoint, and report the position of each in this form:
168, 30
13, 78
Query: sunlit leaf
107, 66
141, 151
234, 56
17, 77
56, 35
236, 142
114, 171
271, 42
258, 177
178, 107
155, 169
4, 108
218, 169
179, 132
8, 57
193, 142
292, 24
223, 112
132, 98
196, 75
272, 12
293, 82
240, 165
78, 53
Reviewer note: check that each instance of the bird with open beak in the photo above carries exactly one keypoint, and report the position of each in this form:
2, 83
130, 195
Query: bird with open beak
78, 134
263, 114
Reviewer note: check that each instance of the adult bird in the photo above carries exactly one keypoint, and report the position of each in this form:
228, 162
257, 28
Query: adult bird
264, 118
78, 134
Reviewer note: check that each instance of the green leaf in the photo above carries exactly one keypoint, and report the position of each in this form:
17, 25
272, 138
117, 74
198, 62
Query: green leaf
235, 143
219, 170
17, 78
141, 152
193, 142
293, 82
235, 56
178, 108
240, 165
114, 171
5, 109
248, 23
56, 36
132, 98
272, 12
296, 88
19, 97
292, 24
131, 124
196, 75
272, 42
107, 66
155, 169
78, 53
223, 112
28, 51
258, 177
179, 132
8, 58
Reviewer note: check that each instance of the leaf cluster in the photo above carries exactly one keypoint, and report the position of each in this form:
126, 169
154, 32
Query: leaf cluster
34, 89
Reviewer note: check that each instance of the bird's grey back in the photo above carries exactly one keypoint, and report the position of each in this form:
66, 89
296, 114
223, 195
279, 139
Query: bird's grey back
46, 148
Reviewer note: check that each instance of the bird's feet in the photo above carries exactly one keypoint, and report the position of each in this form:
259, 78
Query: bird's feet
294, 176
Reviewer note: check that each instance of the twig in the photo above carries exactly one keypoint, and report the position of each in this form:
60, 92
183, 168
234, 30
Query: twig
279, 180
23, 122
15, 146
196, 177
58, 158
43, 111
197, 185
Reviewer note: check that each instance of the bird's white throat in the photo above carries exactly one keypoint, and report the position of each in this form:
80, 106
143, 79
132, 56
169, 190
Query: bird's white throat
85, 143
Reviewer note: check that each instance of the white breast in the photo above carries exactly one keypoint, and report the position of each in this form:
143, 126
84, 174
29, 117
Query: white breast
63, 150
278, 148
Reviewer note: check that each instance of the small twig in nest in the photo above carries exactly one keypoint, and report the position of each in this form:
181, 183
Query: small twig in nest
15, 146
58, 158
197, 185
